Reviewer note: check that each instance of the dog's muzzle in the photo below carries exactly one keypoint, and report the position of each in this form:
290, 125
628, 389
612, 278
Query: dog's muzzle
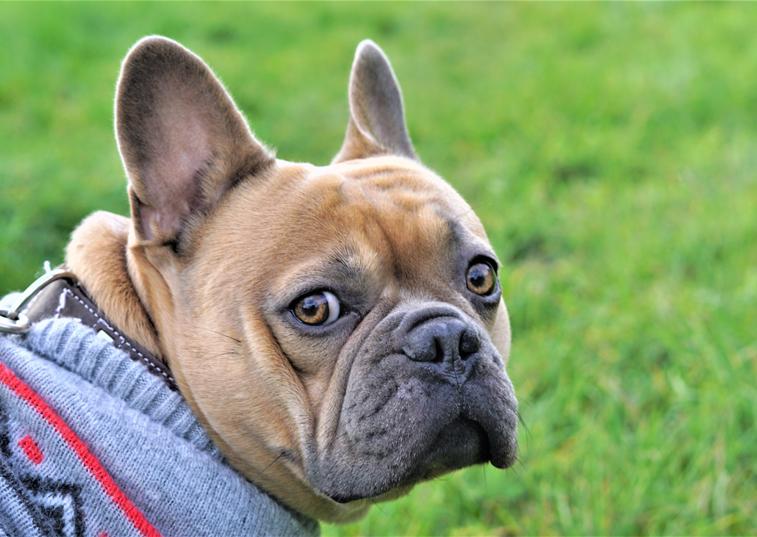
427, 394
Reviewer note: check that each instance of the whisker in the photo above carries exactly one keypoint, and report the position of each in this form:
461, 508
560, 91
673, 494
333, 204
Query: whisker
378, 507
522, 422
272, 463
521, 464
522, 401
220, 334
514, 470
222, 354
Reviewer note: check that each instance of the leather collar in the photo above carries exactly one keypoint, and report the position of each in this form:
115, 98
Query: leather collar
65, 297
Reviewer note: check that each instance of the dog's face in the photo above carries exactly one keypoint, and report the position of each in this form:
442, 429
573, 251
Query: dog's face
339, 330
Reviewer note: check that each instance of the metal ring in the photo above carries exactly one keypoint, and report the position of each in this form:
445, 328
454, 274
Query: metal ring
39, 284
12, 321
8, 325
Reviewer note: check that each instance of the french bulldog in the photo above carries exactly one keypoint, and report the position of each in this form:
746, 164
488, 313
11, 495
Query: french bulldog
338, 330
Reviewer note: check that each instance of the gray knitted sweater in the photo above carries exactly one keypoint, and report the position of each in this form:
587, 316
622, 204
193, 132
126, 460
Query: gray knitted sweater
92, 444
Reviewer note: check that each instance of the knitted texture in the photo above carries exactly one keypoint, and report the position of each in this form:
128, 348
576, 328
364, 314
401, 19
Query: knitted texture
92, 444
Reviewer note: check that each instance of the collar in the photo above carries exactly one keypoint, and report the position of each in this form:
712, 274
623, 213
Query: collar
58, 293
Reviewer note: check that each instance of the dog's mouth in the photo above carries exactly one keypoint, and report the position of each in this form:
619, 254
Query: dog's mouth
460, 444
421, 432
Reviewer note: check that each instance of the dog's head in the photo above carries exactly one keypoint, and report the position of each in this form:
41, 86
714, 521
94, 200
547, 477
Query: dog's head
339, 330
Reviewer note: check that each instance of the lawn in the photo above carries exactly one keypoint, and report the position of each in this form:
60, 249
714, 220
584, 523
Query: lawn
611, 152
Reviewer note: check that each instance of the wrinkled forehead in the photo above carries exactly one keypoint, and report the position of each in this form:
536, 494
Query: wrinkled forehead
398, 220
398, 187
403, 217
387, 217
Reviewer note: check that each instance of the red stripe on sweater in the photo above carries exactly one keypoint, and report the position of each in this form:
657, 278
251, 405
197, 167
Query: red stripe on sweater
82, 451
31, 449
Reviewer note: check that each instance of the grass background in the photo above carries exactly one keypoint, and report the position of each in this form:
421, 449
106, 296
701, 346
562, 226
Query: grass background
611, 152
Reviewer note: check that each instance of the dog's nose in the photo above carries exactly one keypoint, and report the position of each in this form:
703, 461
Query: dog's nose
442, 339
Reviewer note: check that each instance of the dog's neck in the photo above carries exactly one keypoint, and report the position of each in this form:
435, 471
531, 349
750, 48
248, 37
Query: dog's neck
97, 255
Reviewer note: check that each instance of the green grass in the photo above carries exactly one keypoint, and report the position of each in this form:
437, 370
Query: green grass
611, 152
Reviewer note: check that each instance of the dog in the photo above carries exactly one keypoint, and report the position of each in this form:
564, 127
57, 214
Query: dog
338, 330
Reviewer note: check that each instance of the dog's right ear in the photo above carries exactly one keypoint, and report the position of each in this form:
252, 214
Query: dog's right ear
377, 115
182, 140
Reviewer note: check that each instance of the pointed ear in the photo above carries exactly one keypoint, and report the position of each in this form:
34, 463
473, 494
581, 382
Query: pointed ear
182, 140
377, 117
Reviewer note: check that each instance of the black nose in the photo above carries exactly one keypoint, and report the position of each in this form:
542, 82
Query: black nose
445, 340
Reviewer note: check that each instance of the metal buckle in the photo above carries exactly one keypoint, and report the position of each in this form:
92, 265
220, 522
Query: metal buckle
12, 321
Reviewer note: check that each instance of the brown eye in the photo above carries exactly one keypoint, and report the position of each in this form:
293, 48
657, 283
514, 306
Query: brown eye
317, 309
481, 279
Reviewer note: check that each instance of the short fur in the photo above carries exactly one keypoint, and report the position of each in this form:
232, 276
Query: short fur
224, 238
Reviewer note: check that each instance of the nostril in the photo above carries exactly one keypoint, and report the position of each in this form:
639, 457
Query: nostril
439, 350
470, 343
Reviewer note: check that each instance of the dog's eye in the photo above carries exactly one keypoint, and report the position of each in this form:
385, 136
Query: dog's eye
481, 279
317, 309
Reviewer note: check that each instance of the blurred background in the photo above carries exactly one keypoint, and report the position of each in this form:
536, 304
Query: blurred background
611, 152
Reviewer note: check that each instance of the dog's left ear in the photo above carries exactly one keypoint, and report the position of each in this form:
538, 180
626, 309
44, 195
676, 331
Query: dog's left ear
377, 116
182, 140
